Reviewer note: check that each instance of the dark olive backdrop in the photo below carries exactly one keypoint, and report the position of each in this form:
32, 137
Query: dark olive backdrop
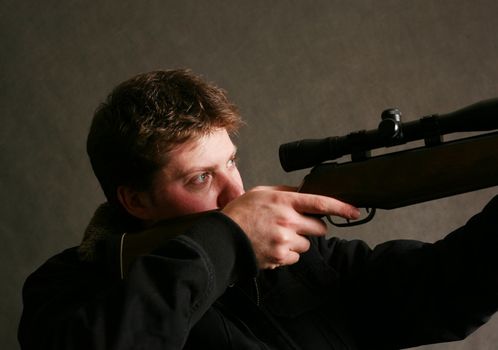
297, 69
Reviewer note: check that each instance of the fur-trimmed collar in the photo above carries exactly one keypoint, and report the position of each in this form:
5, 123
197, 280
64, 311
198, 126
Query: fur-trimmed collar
107, 220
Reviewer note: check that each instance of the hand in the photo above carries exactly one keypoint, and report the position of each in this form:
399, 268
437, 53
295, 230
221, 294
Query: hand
275, 221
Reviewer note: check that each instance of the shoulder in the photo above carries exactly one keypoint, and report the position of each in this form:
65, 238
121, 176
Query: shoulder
62, 272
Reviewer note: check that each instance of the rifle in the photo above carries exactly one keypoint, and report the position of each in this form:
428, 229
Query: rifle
436, 170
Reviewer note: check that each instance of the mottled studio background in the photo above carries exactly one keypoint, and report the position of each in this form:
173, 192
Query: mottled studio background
297, 69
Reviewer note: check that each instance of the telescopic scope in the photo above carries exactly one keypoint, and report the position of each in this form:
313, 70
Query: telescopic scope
480, 116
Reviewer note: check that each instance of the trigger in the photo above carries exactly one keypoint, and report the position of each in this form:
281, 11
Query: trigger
370, 214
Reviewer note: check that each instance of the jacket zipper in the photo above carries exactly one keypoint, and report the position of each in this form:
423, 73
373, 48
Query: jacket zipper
256, 287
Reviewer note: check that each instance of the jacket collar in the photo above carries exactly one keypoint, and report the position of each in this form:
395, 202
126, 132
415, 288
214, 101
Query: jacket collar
107, 220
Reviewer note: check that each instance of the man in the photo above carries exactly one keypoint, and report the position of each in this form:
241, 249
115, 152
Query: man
256, 273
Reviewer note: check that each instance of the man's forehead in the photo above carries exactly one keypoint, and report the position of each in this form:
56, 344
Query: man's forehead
200, 152
217, 139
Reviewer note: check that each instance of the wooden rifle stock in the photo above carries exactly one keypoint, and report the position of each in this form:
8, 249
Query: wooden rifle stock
408, 177
132, 245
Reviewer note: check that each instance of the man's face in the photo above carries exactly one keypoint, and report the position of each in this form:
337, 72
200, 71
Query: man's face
200, 175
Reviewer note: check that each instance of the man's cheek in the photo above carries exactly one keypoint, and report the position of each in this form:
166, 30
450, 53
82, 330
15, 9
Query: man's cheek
195, 204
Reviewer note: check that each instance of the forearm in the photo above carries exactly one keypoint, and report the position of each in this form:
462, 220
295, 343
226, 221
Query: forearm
164, 294
424, 293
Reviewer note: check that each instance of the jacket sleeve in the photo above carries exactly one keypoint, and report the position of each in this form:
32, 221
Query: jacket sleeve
407, 293
68, 305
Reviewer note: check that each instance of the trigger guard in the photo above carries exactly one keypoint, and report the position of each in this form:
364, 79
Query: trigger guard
349, 223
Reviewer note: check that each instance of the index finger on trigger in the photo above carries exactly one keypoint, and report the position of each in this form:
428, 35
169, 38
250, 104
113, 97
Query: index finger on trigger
316, 204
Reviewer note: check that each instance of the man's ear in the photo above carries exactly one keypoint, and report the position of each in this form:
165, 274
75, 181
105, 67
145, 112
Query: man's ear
136, 203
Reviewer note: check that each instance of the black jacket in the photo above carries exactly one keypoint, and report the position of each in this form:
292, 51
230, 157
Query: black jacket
202, 290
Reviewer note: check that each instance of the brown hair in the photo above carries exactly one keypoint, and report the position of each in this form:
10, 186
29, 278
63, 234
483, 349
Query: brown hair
145, 117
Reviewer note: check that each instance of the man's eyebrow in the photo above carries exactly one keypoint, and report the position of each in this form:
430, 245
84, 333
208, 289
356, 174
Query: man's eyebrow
180, 173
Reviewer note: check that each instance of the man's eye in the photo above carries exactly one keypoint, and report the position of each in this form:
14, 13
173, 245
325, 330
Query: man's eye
232, 162
201, 179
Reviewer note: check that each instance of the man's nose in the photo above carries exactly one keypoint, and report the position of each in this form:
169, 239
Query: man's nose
232, 190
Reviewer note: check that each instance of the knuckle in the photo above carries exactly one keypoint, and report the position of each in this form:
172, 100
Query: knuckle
320, 204
282, 222
295, 258
280, 238
276, 196
306, 245
346, 210
280, 255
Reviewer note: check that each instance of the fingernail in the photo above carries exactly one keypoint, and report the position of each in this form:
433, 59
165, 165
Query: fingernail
355, 213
